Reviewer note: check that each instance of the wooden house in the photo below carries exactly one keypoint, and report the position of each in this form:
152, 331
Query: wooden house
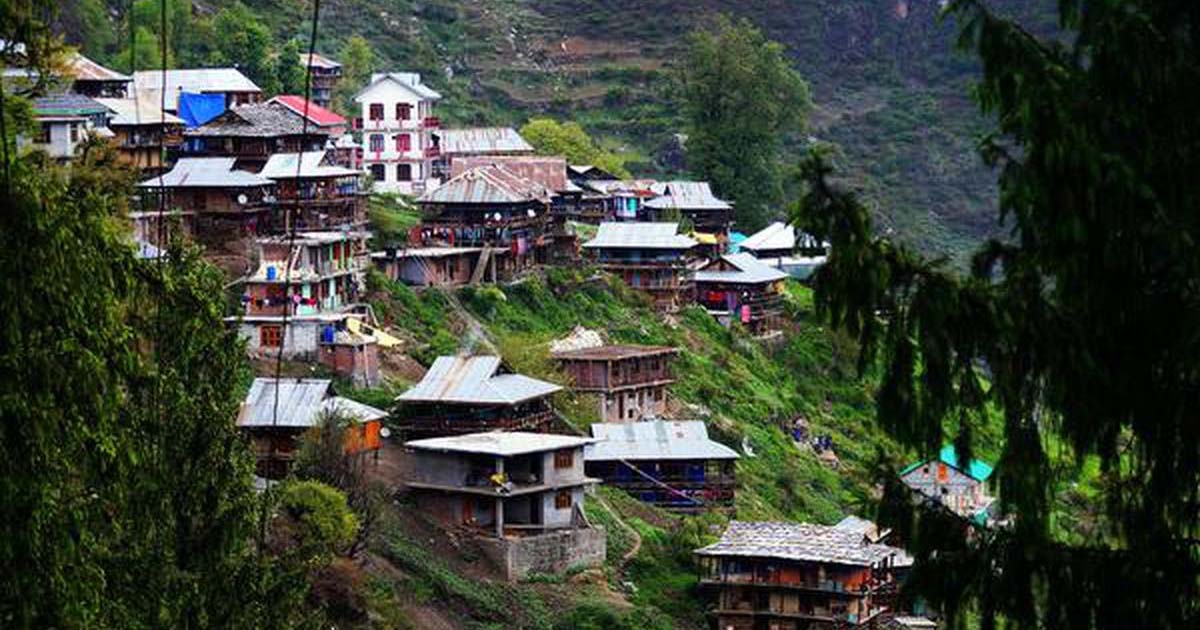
693, 201
490, 207
253, 133
431, 266
629, 381
318, 116
144, 134
789, 576
472, 394
397, 124
737, 287
276, 413
94, 80
669, 463
325, 73
650, 257
314, 193
960, 486
214, 202
521, 492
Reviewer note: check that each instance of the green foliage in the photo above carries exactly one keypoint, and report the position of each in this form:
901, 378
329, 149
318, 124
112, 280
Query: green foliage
1082, 318
357, 63
598, 615
326, 521
423, 315
740, 98
288, 71
568, 139
391, 219
246, 43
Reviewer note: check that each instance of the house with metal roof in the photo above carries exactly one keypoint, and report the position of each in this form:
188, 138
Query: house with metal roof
796, 575
521, 492
475, 393
64, 122
693, 201
780, 246
397, 123
740, 288
277, 412
669, 463
143, 132
960, 486
650, 257
314, 192
630, 382
214, 201
482, 142
92, 79
229, 83
253, 133
325, 73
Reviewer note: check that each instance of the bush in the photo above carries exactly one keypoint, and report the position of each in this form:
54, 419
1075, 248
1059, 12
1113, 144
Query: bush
325, 520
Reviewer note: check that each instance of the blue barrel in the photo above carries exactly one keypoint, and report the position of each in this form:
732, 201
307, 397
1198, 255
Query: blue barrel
327, 334
270, 272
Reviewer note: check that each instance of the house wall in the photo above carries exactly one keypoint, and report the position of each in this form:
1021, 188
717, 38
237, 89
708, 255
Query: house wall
358, 362
552, 552
560, 517
299, 338
437, 468
560, 476
953, 488
389, 94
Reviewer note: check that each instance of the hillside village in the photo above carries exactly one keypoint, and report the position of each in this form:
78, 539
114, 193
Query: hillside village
277, 191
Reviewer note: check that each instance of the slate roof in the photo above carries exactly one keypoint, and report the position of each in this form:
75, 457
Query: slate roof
317, 115
801, 542
301, 402
976, 469
500, 443
686, 195
84, 69
475, 381
614, 352
259, 120
313, 164
654, 440
492, 184
631, 235
410, 80
131, 112
206, 172
482, 140
66, 105
749, 270
550, 172
148, 83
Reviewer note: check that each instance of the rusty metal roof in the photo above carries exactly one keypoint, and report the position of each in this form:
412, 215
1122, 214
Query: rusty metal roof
550, 172
475, 380
482, 141
492, 184
84, 69
614, 352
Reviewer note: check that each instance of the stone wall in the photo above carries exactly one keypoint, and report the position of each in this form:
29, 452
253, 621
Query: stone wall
552, 552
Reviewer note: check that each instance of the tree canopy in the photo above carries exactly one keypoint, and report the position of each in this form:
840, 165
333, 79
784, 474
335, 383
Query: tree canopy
740, 98
568, 139
1079, 327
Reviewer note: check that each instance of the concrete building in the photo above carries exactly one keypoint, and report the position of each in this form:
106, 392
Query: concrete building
397, 126
523, 491
472, 394
629, 381
793, 576
669, 463
64, 122
961, 487
737, 287
650, 257
230, 83
276, 413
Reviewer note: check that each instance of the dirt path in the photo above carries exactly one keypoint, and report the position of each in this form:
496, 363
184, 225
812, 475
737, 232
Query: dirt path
475, 328
637, 538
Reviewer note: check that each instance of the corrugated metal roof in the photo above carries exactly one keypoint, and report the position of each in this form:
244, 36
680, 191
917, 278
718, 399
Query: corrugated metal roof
655, 440
686, 196
500, 443
301, 402
634, 235
410, 80
550, 172
615, 352
797, 541
492, 184
148, 83
206, 172
131, 111
318, 61
482, 140
312, 164
84, 69
749, 270
475, 381
778, 235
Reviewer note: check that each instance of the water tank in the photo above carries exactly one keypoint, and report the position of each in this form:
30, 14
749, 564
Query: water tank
270, 272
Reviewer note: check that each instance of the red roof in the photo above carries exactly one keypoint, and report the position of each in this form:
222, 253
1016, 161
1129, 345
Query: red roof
316, 114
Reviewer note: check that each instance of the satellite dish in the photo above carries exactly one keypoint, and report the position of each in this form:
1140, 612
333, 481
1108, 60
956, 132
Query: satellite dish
531, 213
385, 433
496, 217
243, 199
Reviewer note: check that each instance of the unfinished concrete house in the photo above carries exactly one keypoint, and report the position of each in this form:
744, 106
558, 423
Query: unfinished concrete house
668, 463
474, 394
276, 413
650, 257
793, 576
522, 492
630, 382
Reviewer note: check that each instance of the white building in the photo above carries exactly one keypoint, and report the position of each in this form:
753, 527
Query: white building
397, 139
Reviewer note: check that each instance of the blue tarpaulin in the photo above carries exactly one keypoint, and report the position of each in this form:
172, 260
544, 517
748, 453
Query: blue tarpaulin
197, 109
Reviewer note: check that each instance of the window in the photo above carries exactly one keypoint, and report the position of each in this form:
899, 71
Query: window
43, 134
404, 172
270, 336
377, 172
562, 500
564, 459
403, 111
403, 142
376, 112
376, 142
74, 132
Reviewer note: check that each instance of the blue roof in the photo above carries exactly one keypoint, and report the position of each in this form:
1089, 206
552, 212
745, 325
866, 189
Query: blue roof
976, 469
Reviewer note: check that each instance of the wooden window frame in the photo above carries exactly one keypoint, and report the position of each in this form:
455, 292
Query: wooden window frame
564, 458
270, 335
403, 111
562, 500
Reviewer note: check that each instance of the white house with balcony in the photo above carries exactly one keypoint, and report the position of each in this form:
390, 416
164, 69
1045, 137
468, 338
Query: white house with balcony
397, 124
